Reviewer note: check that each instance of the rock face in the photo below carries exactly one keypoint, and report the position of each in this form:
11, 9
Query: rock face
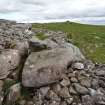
9, 61
46, 67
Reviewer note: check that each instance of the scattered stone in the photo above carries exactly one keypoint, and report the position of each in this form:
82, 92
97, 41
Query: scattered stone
44, 91
73, 80
80, 89
86, 82
72, 91
78, 65
65, 82
64, 93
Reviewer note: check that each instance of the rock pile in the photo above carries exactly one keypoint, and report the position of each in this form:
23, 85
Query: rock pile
46, 72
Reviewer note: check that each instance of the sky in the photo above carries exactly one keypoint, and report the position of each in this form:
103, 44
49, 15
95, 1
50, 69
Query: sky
84, 11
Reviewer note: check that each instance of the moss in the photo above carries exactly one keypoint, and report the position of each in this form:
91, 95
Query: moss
41, 36
7, 85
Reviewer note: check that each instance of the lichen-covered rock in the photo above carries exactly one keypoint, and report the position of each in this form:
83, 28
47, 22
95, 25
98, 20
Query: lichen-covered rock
9, 61
46, 67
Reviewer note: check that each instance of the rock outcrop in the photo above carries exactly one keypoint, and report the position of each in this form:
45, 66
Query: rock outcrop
51, 71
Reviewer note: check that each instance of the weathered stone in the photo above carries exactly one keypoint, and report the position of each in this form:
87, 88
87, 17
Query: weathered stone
9, 61
46, 67
80, 89
87, 100
72, 90
23, 47
78, 65
86, 82
73, 79
51, 44
65, 82
52, 96
44, 90
56, 88
64, 93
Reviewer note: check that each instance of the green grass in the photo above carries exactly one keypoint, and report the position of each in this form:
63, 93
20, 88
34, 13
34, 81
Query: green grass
41, 36
89, 38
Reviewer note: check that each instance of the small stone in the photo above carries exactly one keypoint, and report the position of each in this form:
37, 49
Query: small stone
95, 84
100, 72
87, 100
70, 75
52, 96
44, 91
86, 83
72, 90
73, 79
65, 82
78, 65
56, 88
80, 89
69, 100
92, 91
63, 103
64, 93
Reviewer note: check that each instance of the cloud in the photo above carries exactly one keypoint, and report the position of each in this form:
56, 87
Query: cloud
85, 11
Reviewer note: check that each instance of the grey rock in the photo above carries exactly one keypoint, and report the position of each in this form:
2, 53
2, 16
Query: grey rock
65, 82
86, 82
51, 44
53, 96
44, 90
78, 65
73, 79
87, 100
9, 61
23, 47
100, 72
95, 84
72, 91
46, 67
80, 89
64, 93
56, 88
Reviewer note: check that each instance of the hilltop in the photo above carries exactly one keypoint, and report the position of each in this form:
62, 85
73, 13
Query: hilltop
89, 38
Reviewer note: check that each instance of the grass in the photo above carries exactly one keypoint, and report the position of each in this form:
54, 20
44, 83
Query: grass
89, 38
41, 36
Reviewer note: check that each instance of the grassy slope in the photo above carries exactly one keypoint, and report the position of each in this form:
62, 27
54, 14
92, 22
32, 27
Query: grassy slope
89, 38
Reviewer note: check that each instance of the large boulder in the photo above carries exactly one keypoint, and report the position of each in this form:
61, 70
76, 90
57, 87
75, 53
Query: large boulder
46, 67
9, 61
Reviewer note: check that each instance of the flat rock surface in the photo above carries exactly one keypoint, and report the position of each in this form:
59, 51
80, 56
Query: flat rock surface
45, 67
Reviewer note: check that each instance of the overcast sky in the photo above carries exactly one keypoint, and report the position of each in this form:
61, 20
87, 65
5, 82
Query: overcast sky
85, 11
